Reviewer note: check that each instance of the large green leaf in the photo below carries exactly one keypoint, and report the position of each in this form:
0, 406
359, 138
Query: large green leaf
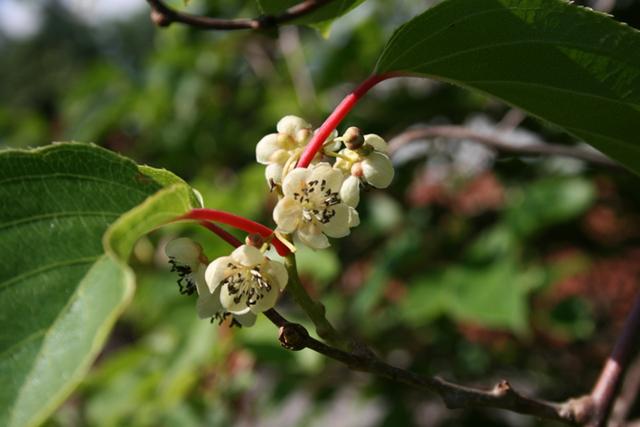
563, 63
325, 13
60, 288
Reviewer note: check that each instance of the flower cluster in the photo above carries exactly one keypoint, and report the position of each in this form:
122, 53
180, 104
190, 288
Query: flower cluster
315, 203
240, 285
319, 201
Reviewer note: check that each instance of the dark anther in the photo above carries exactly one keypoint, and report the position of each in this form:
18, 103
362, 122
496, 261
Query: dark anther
293, 336
221, 317
185, 281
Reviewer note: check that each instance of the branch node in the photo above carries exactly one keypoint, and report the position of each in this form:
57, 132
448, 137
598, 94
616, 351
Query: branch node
266, 21
160, 19
293, 336
502, 389
580, 410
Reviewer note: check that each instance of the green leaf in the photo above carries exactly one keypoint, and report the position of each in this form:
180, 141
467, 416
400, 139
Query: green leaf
571, 66
328, 12
60, 288
547, 202
494, 296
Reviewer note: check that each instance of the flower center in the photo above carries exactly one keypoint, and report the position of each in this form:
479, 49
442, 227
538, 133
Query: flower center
246, 283
317, 199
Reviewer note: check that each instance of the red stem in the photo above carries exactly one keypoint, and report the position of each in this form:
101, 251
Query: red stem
236, 222
222, 233
337, 115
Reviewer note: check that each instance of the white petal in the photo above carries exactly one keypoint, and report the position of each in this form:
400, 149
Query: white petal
287, 214
267, 301
229, 303
273, 173
376, 142
350, 191
184, 251
354, 218
247, 319
216, 272
198, 277
291, 125
302, 137
277, 273
378, 170
333, 145
266, 147
311, 235
295, 181
324, 172
208, 304
338, 226
248, 256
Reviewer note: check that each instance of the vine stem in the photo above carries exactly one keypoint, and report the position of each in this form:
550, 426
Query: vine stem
338, 114
606, 387
314, 309
241, 223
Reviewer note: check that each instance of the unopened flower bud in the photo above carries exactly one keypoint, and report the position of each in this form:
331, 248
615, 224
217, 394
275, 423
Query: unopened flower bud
353, 138
254, 240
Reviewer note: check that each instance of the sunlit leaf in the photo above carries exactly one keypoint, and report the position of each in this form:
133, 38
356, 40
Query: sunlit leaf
571, 66
60, 288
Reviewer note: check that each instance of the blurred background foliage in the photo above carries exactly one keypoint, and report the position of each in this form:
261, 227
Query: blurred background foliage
473, 265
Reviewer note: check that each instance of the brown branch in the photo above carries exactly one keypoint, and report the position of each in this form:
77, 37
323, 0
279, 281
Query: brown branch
495, 142
606, 388
295, 337
163, 15
628, 394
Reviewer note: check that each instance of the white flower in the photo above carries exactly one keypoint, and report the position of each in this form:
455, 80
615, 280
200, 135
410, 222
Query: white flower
281, 151
186, 257
311, 207
243, 284
369, 164
277, 149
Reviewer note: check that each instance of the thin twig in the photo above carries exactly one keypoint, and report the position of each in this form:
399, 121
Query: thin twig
604, 392
163, 15
294, 336
497, 143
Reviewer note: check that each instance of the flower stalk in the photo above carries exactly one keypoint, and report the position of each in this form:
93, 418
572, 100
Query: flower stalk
338, 114
238, 222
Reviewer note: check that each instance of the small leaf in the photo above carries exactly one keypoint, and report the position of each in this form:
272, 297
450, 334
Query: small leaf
494, 295
569, 65
60, 289
547, 202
